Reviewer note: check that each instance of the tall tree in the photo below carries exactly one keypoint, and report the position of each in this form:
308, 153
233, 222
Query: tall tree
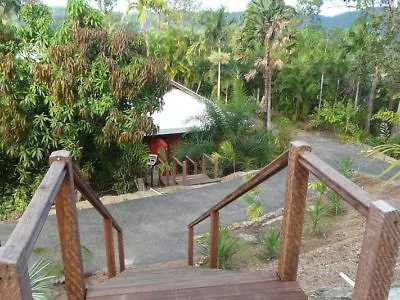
265, 21
142, 8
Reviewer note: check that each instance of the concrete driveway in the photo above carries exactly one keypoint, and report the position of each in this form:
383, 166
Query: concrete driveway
155, 228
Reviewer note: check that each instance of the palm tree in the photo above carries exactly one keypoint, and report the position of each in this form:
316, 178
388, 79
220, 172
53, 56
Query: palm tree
142, 7
265, 21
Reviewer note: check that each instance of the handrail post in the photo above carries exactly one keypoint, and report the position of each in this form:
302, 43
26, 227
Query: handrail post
121, 254
216, 168
184, 172
196, 167
67, 219
214, 230
190, 245
15, 282
378, 253
108, 238
203, 165
293, 217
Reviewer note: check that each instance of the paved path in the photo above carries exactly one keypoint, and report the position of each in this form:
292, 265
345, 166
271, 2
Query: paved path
155, 227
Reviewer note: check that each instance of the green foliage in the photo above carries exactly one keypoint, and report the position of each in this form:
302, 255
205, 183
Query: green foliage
270, 245
232, 126
316, 215
387, 116
336, 206
255, 208
391, 149
346, 167
284, 132
227, 246
340, 117
41, 281
79, 87
319, 187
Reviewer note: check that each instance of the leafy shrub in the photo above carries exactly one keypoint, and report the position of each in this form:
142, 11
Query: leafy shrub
283, 132
270, 244
317, 214
339, 117
227, 246
319, 187
255, 208
336, 206
394, 139
346, 167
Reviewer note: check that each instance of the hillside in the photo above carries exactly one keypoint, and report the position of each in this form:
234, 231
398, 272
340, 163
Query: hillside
344, 20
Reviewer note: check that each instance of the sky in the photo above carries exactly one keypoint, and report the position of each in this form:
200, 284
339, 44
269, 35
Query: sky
330, 8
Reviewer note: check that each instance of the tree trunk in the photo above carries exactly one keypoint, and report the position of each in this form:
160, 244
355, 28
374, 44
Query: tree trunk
321, 90
396, 128
371, 99
357, 94
219, 75
266, 102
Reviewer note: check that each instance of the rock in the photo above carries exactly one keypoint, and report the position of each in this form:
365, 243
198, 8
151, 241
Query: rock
235, 226
342, 292
248, 237
274, 222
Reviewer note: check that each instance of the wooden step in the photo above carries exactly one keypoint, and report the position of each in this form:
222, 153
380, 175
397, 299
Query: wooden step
195, 283
196, 179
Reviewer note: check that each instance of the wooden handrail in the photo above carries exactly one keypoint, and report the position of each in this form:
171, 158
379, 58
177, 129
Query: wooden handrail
194, 163
190, 160
271, 169
92, 197
177, 161
348, 190
57, 186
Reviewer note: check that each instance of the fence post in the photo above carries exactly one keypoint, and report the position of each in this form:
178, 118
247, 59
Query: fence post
378, 253
214, 230
67, 220
190, 245
216, 168
196, 167
121, 253
184, 172
293, 217
203, 165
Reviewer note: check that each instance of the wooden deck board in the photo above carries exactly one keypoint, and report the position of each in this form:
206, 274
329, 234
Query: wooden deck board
195, 283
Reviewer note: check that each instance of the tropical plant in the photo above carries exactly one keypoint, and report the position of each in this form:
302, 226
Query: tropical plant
319, 187
392, 149
227, 246
270, 244
40, 280
78, 87
316, 214
346, 166
164, 165
226, 154
265, 21
336, 206
255, 208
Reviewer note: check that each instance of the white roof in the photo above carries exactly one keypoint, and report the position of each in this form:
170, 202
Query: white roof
178, 112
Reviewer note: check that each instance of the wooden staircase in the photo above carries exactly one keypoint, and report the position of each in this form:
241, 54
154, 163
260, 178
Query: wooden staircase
375, 270
194, 283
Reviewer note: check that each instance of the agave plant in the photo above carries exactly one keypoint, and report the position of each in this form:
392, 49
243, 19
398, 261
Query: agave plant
41, 281
270, 242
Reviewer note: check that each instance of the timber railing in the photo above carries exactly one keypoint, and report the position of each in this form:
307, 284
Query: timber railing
194, 163
381, 238
58, 186
204, 160
183, 165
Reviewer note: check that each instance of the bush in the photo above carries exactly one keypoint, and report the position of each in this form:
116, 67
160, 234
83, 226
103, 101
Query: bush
341, 118
346, 167
336, 206
317, 214
227, 247
255, 208
270, 245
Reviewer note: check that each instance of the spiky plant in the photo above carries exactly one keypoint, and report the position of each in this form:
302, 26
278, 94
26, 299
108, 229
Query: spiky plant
346, 167
270, 244
336, 206
41, 281
391, 149
317, 214
227, 246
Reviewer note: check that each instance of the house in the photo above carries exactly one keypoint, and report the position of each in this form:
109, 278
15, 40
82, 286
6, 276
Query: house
177, 117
